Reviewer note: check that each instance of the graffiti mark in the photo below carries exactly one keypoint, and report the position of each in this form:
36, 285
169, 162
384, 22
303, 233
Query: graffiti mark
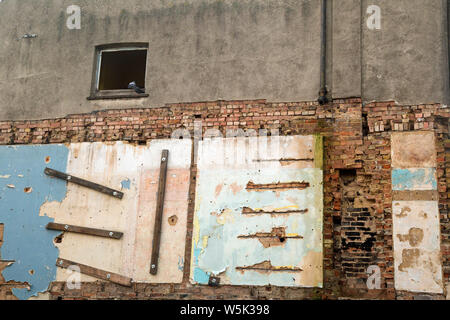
277, 186
250, 211
266, 266
277, 237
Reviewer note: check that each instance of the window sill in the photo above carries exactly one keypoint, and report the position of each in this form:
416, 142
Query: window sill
117, 94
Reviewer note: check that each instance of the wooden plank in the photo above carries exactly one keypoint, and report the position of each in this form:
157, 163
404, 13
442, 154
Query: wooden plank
84, 183
84, 230
159, 212
96, 273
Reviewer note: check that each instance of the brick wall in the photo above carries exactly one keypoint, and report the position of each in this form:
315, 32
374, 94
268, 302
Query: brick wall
357, 183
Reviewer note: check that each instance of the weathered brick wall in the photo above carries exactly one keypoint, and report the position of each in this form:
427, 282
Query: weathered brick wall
357, 183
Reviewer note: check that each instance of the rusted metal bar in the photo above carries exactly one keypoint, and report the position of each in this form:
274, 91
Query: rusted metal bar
279, 185
285, 160
83, 230
246, 210
96, 273
266, 266
84, 183
159, 212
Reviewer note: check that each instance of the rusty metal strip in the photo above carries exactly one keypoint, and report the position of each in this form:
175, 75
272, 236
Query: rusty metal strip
96, 273
159, 212
280, 185
266, 266
267, 235
416, 195
84, 183
285, 160
83, 230
246, 210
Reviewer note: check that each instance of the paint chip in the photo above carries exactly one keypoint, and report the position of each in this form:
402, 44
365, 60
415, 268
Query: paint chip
28, 189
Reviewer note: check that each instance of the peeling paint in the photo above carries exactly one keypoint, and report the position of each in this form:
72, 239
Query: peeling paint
266, 266
417, 247
280, 224
26, 241
414, 179
416, 225
111, 164
126, 184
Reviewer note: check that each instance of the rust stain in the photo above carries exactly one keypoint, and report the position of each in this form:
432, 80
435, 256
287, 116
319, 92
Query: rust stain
247, 210
28, 189
278, 186
404, 212
173, 220
410, 259
218, 190
47, 159
277, 237
414, 237
235, 188
266, 266
423, 214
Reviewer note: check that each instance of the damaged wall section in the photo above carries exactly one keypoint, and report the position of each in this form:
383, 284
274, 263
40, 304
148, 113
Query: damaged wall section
258, 218
23, 189
133, 169
30, 199
416, 225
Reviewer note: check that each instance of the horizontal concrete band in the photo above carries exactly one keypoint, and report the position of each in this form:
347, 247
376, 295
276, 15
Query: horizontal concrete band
419, 195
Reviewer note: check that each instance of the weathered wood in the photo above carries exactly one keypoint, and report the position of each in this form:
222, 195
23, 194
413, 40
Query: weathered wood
84, 230
84, 183
159, 212
96, 273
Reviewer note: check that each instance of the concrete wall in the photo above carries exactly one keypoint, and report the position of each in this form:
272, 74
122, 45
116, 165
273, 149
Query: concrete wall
212, 49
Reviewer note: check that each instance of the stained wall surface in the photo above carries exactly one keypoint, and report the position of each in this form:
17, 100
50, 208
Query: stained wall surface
132, 169
416, 220
258, 214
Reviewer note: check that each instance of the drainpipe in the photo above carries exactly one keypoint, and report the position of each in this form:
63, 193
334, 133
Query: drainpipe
323, 99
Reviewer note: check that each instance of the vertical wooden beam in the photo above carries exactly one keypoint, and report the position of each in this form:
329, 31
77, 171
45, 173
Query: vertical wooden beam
159, 212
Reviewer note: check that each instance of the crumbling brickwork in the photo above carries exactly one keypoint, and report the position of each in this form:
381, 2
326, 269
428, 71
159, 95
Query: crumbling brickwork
357, 228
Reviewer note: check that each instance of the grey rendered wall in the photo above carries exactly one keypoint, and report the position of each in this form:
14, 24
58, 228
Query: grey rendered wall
222, 49
198, 50
407, 59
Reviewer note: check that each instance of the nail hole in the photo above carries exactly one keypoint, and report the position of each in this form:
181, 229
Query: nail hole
173, 220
